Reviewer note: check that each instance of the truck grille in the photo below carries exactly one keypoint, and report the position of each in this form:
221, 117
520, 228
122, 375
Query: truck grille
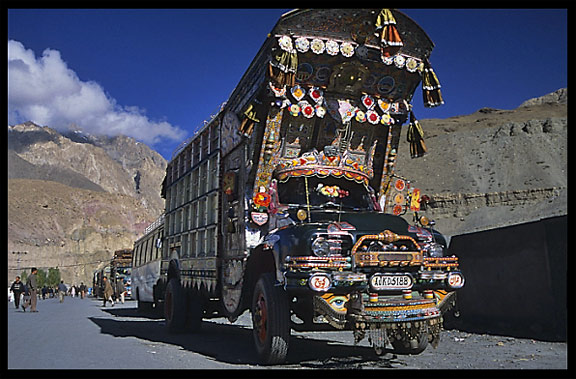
386, 249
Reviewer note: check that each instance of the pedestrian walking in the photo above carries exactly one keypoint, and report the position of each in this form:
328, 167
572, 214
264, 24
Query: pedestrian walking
108, 291
82, 290
18, 289
32, 286
120, 290
62, 291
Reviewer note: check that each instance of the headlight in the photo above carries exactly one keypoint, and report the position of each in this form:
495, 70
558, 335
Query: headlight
320, 247
435, 250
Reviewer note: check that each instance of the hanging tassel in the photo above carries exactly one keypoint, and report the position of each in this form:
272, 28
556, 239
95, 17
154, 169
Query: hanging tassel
250, 118
282, 68
390, 40
431, 87
416, 138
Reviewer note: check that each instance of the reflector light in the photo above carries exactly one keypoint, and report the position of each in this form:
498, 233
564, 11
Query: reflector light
455, 280
319, 283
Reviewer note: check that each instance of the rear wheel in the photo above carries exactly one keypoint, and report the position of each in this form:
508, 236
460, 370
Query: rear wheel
194, 312
143, 306
174, 307
270, 320
158, 304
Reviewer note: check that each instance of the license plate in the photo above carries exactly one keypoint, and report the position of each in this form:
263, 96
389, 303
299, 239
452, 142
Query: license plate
391, 282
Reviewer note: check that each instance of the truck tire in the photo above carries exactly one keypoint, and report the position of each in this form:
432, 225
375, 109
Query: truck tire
143, 306
194, 312
174, 307
158, 303
270, 320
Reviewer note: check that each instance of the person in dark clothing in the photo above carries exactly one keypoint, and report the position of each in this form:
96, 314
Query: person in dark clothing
120, 290
18, 289
108, 291
82, 290
32, 285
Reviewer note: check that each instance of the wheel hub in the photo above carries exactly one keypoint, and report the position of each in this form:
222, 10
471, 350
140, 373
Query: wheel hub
261, 318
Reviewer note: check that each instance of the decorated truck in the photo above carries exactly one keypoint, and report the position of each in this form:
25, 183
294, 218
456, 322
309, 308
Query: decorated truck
285, 203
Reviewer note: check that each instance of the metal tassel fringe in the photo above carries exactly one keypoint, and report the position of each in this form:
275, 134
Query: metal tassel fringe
431, 87
390, 39
415, 136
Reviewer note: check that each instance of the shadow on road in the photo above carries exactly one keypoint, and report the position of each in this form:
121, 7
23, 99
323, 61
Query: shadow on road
232, 344
134, 312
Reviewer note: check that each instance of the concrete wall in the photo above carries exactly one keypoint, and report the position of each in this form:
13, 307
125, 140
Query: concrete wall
515, 280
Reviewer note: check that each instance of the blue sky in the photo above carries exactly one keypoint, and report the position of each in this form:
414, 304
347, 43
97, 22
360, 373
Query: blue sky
157, 74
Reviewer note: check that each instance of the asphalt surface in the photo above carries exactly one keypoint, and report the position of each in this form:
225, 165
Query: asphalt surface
81, 334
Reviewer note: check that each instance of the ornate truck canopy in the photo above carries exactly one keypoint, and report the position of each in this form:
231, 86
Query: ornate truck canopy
345, 33
378, 52
337, 85
359, 26
330, 89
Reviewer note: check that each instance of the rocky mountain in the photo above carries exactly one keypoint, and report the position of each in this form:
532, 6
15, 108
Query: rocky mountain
556, 97
494, 167
115, 164
74, 199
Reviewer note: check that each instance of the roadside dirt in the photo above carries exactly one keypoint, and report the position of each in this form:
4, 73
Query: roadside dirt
456, 350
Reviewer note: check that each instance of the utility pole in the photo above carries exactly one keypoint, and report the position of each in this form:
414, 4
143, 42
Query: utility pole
19, 259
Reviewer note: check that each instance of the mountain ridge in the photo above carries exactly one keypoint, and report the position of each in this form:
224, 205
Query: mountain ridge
74, 199
493, 153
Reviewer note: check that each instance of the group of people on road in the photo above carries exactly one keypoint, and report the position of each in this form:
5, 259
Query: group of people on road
29, 291
109, 292
74, 290
80, 290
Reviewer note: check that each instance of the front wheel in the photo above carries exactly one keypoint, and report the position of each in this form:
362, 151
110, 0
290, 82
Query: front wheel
174, 306
270, 320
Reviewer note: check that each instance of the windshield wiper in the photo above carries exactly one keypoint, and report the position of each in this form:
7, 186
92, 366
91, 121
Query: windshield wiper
323, 205
338, 206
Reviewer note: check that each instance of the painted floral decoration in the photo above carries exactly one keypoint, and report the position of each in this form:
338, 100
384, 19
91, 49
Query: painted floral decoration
332, 191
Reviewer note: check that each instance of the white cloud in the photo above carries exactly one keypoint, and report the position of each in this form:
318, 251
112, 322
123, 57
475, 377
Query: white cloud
46, 92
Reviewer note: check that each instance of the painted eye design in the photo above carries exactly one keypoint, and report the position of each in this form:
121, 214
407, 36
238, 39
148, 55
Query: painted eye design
338, 303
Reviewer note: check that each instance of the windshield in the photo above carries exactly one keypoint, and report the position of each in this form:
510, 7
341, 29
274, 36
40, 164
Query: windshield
325, 192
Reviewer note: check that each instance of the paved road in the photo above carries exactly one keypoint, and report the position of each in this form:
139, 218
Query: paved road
80, 334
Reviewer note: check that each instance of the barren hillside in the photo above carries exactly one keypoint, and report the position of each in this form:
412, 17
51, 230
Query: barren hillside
493, 167
70, 228
75, 199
